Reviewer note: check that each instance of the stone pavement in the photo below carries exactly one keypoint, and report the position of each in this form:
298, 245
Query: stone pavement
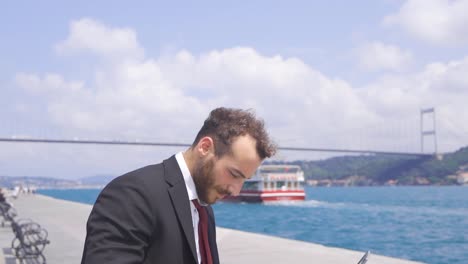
66, 224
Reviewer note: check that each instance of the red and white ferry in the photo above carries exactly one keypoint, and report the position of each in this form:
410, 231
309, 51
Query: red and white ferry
273, 183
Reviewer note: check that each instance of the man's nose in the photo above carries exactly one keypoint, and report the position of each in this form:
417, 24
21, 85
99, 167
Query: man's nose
235, 188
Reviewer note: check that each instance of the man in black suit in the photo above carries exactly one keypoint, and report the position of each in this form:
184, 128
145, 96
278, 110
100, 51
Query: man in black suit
153, 214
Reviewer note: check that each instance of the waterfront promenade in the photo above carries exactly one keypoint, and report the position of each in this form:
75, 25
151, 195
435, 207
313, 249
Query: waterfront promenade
66, 224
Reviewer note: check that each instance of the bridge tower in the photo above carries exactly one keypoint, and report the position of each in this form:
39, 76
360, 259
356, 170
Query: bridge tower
428, 130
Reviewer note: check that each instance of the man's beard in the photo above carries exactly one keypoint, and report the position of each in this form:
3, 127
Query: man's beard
203, 178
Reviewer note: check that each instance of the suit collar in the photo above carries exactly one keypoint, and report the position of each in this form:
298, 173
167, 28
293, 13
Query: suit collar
180, 200
172, 173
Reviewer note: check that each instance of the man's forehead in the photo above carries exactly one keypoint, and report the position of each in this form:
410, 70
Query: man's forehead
243, 156
244, 147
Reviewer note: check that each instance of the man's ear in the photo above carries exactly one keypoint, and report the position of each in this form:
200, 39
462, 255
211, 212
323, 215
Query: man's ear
205, 146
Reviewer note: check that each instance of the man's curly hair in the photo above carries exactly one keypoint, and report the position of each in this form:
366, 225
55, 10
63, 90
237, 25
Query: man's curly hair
224, 125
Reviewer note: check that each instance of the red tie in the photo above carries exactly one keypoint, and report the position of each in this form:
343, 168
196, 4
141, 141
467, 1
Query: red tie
203, 244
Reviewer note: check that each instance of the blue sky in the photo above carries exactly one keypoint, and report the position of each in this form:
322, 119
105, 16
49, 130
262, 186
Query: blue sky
337, 74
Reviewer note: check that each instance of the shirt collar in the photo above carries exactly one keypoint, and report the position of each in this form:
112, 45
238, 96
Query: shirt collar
189, 184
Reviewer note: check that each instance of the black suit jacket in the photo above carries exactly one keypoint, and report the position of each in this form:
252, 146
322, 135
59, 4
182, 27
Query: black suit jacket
144, 217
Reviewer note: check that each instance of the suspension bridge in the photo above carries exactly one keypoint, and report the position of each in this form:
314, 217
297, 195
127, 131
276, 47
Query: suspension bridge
425, 132
168, 144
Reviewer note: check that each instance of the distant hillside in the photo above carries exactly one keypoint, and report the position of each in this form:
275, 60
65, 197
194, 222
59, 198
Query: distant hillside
54, 183
344, 170
381, 169
97, 180
438, 171
38, 182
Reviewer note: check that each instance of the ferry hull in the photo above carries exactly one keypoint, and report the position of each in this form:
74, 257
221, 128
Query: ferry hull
259, 197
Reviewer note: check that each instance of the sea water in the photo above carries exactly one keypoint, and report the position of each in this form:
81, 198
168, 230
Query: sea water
428, 224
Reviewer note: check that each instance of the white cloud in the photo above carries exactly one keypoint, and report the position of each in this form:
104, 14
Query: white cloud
436, 21
375, 56
124, 101
89, 35
439, 85
51, 84
167, 99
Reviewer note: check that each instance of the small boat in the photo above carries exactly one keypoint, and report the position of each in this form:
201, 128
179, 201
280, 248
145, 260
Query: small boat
273, 183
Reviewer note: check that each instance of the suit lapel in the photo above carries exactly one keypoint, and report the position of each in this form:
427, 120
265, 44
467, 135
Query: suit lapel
180, 200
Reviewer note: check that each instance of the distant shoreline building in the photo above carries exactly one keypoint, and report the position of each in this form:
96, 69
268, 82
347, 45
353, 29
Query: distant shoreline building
462, 178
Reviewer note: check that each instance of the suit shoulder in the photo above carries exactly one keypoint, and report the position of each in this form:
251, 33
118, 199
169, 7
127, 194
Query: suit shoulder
152, 173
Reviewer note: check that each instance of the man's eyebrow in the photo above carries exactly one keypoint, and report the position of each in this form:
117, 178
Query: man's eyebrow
238, 173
